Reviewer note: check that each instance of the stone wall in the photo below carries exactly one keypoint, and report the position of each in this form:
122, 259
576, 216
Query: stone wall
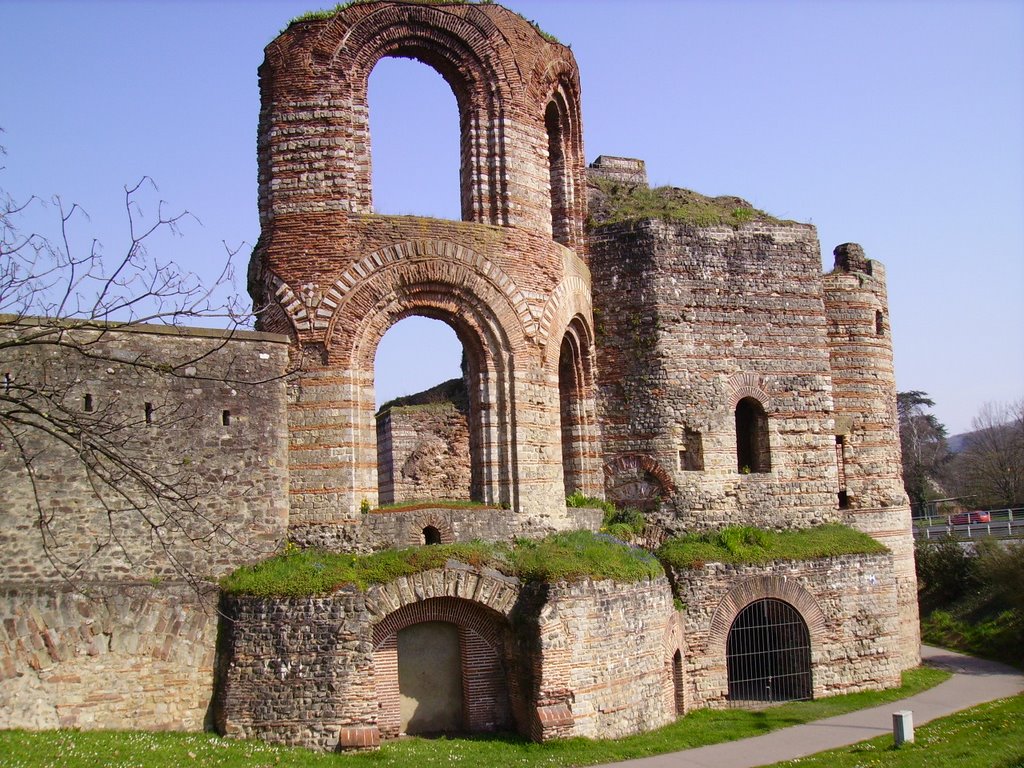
423, 453
604, 659
106, 617
200, 421
849, 604
125, 656
690, 321
582, 659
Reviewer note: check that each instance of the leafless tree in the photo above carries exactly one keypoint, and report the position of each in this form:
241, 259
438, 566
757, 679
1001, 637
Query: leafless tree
991, 465
63, 307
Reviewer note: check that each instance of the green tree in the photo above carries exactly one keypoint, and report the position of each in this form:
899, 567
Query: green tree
923, 448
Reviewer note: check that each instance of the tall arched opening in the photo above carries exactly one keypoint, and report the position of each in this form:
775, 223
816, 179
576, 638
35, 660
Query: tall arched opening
415, 148
753, 448
423, 414
575, 393
768, 654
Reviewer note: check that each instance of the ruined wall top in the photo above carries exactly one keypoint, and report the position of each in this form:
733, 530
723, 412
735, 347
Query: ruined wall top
517, 92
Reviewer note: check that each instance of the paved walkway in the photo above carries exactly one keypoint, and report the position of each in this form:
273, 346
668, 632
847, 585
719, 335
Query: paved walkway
974, 681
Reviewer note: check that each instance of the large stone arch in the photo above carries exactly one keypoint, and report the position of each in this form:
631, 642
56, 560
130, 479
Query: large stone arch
341, 274
477, 304
577, 389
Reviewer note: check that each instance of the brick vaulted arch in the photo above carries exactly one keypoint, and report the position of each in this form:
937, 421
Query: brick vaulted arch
482, 678
760, 588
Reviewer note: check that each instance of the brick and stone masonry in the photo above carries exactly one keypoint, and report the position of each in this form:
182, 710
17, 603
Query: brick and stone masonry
706, 373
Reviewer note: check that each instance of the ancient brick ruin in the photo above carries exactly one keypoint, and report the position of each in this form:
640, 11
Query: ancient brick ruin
704, 371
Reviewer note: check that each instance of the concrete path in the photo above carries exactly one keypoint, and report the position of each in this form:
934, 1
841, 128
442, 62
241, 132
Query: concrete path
974, 681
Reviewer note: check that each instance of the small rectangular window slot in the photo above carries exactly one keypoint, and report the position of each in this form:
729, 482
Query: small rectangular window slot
87, 402
7, 382
149, 413
225, 418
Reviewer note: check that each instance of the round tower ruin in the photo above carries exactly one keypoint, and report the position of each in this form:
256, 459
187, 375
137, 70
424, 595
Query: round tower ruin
870, 487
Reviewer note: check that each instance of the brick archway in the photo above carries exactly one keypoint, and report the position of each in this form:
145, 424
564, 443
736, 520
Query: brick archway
503, 74
341, 275
481, 639
485, 322
760, 588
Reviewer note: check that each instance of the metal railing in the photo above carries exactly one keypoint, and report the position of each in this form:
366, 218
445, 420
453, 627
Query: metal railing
1004, 523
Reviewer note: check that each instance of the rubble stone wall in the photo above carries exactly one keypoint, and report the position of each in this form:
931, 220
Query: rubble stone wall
101, 620
690, 321
423, 453
124, 656
849, 604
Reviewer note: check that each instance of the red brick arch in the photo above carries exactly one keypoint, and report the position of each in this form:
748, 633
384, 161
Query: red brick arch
743, 385
760, 588
487, 54
632, 461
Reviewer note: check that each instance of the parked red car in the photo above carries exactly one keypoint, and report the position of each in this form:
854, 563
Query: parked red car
966, 518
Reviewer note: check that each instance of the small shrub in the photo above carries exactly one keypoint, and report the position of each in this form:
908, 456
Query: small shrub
946, 572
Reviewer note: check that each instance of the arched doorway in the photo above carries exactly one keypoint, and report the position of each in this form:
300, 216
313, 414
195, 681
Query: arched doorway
439, 666
430, 678
768, 654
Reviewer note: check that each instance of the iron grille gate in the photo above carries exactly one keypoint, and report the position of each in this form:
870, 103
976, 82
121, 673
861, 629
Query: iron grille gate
768, 654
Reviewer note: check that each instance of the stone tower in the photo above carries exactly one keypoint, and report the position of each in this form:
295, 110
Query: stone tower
510, 278
867, 427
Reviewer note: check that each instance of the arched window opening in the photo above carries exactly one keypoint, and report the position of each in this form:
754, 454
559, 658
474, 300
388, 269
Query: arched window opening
573, 406
768, 654
431, 535
753, 450
677, 683
425, 443
558, 174
415, 141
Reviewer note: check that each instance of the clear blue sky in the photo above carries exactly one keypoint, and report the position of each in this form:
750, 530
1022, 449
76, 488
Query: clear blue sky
898, 125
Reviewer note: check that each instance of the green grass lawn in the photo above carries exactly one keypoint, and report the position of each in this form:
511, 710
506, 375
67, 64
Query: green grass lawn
987, 736
73, 749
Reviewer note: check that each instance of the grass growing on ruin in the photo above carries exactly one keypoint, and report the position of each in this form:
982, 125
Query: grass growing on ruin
745, 545
559, 557
582, 554
301, 572
327, 13
73, 749
618, 203
987, 736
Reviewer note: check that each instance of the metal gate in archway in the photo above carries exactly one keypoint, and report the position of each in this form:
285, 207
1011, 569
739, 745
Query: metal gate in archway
768, 654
